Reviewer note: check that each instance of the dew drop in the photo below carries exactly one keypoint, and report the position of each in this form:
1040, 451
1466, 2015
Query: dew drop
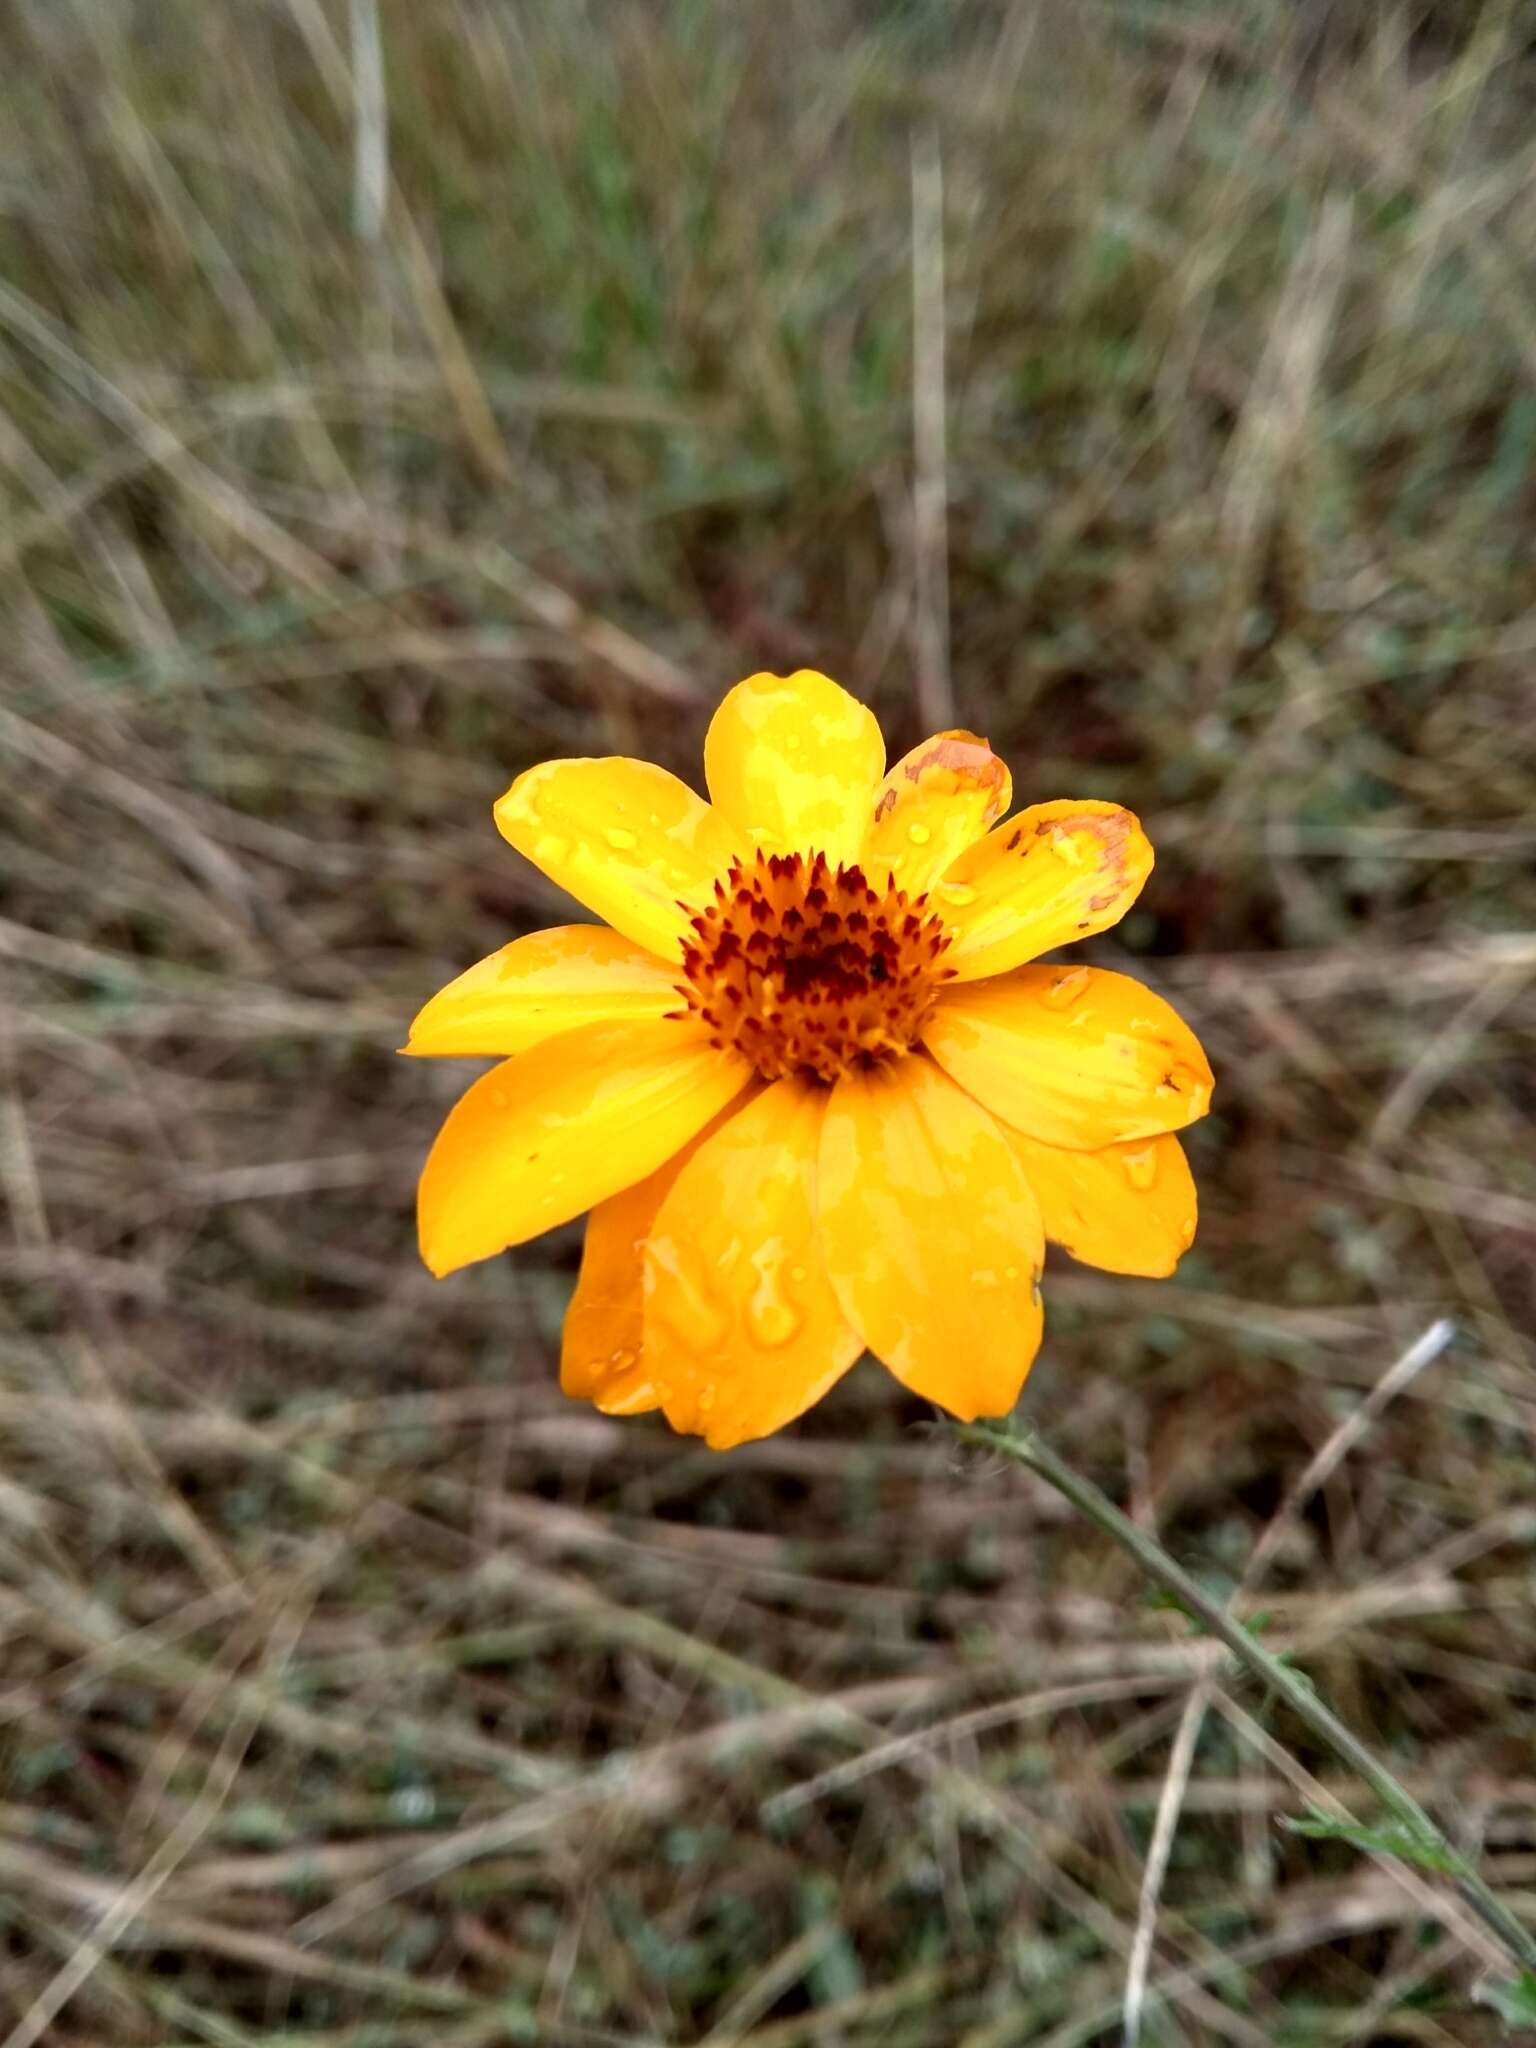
621, 1360
620, 840
957, 893
499, 1098
549, 849
1010, 1273
695, 1319
1068, 846
798, 1275
983, 1277
707, 1399
1141, 1166
1066, 988
919, 834
791, 743
771, 1319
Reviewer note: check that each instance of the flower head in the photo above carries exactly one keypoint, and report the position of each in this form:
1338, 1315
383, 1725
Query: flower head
807, 1076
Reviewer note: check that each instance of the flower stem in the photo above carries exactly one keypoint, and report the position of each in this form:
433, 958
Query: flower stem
1028, 1450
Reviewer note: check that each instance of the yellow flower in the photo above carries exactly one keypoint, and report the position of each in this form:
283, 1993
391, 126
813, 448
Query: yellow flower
805, 1077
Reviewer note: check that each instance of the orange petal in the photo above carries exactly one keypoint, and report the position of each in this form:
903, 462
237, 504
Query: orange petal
742, 1329
935, 802
793, 762
1073, 1056
1130, 1208
932, 1236
542, 1137
541, 985
1054, 873
600, 1352
623, 837
600, 1344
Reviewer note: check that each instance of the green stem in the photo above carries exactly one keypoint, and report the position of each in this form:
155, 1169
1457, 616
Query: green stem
1246, 1648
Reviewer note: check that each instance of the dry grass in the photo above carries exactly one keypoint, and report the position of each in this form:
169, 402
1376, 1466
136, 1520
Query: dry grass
357, 1692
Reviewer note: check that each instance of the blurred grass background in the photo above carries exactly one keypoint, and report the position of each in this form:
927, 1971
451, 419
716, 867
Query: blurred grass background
391, 397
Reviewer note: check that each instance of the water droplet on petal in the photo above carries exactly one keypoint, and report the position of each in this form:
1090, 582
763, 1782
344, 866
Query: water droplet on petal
1067, 846
957, 893
707, 1399
1141, 1166
983, 1277
1010, 1273
500, 1098
1066, 988
772, 1320
791, 743
694, 1318
620, 840
621, 1360
696, 1325
919, 834
549, 849
798, 1275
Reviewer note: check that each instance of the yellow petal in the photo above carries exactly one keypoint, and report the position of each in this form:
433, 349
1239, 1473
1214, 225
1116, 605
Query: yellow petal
600, 1352
932, 1236
1073, 1056
544, 984
742, 1329
542, 1137
623, 837
935, 802
1130, 1208
1054, 873
793, 762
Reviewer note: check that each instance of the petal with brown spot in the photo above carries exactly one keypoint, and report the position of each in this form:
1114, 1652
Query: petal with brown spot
1054, 873
934, 803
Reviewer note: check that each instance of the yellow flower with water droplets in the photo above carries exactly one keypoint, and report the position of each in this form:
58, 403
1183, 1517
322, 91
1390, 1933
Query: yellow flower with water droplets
808, 1077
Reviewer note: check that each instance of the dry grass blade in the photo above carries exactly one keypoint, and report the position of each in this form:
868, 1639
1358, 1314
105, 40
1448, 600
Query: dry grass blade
930, 490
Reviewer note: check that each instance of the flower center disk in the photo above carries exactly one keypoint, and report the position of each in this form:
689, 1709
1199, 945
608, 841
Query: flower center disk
802, 967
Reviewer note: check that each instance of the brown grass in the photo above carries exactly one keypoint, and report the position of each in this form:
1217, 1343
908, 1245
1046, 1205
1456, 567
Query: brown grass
355, 1690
